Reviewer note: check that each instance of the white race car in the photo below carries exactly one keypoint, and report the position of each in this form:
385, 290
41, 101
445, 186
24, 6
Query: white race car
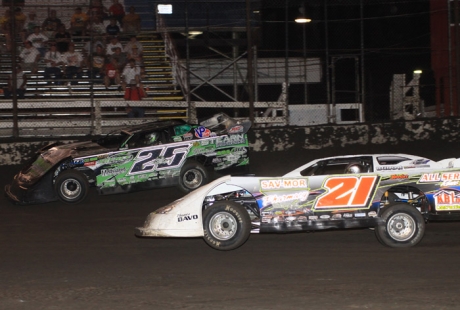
394, 193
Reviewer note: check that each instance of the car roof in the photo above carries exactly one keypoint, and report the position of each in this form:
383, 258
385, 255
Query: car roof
151, 126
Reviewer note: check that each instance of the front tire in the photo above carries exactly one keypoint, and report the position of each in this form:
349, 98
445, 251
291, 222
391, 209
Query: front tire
226, 225
192, 176
71, 186
404, 226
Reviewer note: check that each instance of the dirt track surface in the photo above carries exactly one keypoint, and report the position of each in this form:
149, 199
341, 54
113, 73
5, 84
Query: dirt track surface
56, 256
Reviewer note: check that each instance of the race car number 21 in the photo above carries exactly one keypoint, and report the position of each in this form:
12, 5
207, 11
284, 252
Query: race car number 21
160, 158
347, 192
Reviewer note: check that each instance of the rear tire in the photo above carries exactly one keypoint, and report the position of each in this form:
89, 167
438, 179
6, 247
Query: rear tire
71, 186
226, 225
192, 176
404, 226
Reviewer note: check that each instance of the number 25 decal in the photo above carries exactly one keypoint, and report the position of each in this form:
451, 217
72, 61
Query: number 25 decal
347, 192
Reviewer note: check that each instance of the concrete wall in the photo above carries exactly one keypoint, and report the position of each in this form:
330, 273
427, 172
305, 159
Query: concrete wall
286, 148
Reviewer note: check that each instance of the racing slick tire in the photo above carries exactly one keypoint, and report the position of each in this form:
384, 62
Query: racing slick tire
192, 176
226, 225
404, 226
71, 186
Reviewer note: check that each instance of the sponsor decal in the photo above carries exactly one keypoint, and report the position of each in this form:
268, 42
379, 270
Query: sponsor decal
399, 176
325, 216
222, 141
372, 214
236, 129
313, 217
272, 184
273, 199
91, 163
202, 132
337, 216
347, 192
188, 136
347, 215
360, 214
389, 168
447, 200
115, 160
112, 171
439, 177
186, 217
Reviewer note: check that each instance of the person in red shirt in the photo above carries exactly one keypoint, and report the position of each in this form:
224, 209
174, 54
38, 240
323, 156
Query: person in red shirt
117, 11
112, 74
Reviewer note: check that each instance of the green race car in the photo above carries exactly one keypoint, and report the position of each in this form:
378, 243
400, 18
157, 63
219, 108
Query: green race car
152, 155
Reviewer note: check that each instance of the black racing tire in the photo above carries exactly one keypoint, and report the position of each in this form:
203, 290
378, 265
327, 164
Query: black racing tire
71, 186
226, 225
404, 226
192, 176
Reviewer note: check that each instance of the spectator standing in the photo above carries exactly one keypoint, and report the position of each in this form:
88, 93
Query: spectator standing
112, 28
131, 21
112, 73
38, 40
53, 61
117, 11
78, 23
29, 57
72, 60
63, 39
51, 24
131, 81
114, 43
21, 83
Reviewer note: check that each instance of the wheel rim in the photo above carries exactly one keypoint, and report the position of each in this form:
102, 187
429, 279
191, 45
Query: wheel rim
401, 227
223, 226
70, 189
192, 178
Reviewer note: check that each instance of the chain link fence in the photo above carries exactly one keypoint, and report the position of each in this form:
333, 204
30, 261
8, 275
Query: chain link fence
353, 62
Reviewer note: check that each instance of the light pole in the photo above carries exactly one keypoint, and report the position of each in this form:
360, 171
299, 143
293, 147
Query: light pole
302, 19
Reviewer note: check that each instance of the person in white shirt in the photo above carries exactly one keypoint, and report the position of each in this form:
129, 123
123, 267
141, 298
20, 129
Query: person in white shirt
131, 77
133, 42
53, 60
38, 40
114, 43
29, 57
72, 60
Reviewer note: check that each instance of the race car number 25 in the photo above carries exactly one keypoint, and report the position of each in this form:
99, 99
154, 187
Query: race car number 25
160, 158
347, 192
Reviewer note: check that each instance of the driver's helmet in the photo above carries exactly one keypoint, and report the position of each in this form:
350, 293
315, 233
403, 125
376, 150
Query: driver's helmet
151, 138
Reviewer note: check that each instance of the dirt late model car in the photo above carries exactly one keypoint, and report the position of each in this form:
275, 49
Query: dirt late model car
163, 153
396, 194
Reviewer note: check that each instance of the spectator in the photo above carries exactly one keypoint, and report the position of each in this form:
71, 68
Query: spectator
63, 39
73, 61
29, 28
110, 49
51, 24
53, 61
134, 112
6, 28
97, 62
132, 21
97, 10
21, 83
137, 58
96, 27
98, 41
133, 42
78, 23
112, 74
29, 57
117, 11
38, 40
112, 28
120, 57
131, 77
20, 20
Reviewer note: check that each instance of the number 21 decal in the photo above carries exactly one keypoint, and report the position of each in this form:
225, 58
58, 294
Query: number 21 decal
347, 192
